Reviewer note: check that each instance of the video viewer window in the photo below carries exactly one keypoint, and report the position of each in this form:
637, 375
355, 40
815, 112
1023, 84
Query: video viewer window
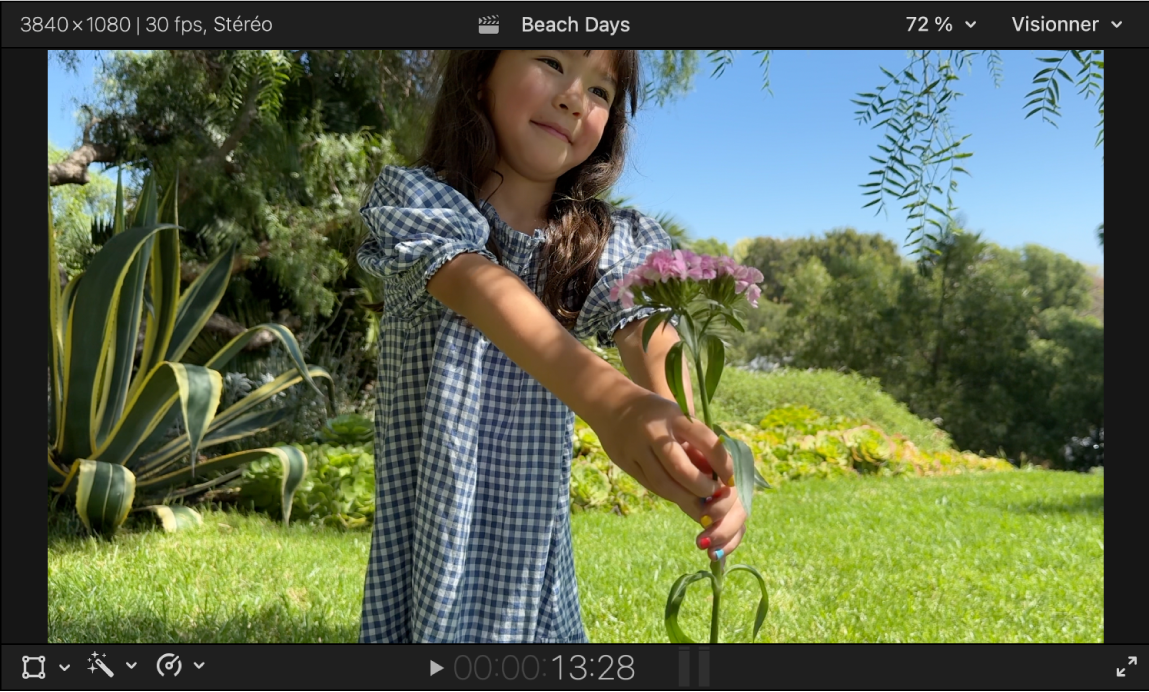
566, 346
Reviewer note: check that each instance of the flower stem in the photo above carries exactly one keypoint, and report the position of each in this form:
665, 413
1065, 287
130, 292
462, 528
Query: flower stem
702, 393
718, 568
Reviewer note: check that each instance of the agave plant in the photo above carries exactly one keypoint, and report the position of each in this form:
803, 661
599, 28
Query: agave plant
347, 429
111, 410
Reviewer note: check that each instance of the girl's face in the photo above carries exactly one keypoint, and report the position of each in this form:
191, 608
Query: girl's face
548, 108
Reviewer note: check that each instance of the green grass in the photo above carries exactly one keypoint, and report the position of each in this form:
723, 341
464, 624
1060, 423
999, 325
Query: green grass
748, 396
1003, 557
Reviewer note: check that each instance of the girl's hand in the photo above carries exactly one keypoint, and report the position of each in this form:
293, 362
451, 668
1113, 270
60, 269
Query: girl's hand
727, 515
649, 438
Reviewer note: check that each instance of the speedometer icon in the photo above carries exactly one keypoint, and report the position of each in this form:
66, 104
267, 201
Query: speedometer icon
174, 663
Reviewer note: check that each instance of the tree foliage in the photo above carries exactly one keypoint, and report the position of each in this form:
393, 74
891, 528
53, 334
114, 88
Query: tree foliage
997, 344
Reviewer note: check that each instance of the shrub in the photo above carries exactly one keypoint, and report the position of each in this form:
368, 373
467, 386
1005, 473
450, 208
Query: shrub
788, 443
749, 396
347, 429
798, 442
338, 490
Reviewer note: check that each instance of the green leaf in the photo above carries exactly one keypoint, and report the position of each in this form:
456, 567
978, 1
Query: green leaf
197, 304
238, 428
715, 361
685, 329
127, 329
198, 390
103, 492
56, 474
262, 394
146, 211
89, 338
55, 332
225, 354
164, 290
169, 453
294, 469
150, 444
174, 518
744, 469
118, 225
674, 604
245, 426
674, 376
763, 604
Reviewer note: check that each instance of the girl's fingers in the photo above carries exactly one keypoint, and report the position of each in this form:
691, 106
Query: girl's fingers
655, 479
704, 440
697, 458
723, 522
681, 470
729, 547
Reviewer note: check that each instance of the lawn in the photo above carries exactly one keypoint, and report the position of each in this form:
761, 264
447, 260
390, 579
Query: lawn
995, 557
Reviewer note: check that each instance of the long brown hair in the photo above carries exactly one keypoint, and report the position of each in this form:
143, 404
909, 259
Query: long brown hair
461, 148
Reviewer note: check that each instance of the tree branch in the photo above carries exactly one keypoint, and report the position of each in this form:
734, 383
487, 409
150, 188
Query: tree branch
74, 169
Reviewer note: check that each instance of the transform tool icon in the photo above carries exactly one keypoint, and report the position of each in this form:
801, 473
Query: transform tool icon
489, 24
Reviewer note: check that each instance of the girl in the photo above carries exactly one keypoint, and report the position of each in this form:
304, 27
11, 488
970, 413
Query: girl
491, 254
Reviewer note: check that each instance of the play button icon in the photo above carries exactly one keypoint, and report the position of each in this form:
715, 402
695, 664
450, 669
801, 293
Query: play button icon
435, 667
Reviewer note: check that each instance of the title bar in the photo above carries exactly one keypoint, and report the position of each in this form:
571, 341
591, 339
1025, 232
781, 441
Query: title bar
655, 25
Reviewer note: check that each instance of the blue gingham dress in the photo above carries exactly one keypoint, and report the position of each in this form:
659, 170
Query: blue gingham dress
471, 541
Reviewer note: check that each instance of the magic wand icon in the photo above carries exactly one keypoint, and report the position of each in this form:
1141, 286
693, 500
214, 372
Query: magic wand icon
105, 668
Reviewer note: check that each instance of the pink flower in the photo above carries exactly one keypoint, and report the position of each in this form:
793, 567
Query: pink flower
664, 265
702, 267
627, 299
752, 294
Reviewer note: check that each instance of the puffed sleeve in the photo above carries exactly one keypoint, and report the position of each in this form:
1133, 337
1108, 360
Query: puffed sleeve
417, 224
635, 236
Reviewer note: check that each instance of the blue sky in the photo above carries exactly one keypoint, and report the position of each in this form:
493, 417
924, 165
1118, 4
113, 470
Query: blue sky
730, 160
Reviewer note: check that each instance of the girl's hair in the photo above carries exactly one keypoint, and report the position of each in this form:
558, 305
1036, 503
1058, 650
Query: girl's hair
460, 147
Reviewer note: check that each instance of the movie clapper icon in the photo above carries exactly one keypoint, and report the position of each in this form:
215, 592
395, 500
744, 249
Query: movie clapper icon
175, 663
40, 660
489, 24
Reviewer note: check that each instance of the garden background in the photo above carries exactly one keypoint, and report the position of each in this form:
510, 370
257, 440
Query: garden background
915, 392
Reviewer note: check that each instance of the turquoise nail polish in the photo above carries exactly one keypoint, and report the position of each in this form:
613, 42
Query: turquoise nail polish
718, 554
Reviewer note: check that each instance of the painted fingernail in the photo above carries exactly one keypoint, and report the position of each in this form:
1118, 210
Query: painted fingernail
704, 543
718, 554
705, 520
730, 482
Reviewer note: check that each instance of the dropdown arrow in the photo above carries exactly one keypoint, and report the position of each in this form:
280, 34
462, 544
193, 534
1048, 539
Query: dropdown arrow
200, 665
132, 665
970, 24
1117, 25
63, 667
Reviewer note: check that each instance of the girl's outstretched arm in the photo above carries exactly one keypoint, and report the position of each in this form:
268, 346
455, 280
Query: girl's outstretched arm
647, 367
641, 431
